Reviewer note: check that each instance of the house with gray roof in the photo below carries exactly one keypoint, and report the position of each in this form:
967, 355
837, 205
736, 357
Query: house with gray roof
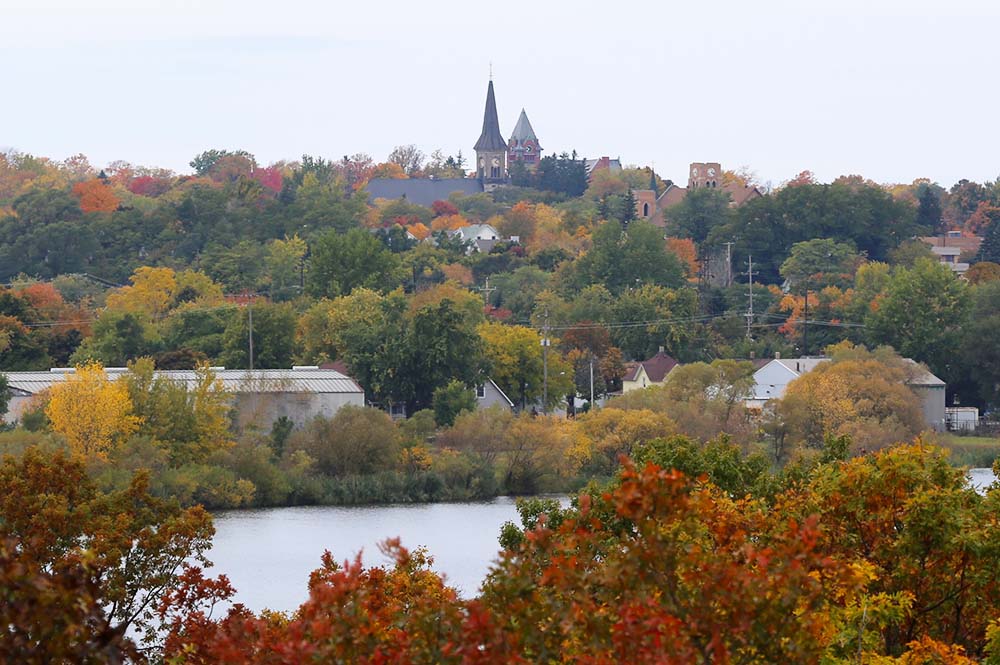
771, 381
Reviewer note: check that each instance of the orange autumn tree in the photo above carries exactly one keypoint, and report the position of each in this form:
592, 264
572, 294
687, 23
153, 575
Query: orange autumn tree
449, 223
688, 254
93, 412
95, 196
81, 569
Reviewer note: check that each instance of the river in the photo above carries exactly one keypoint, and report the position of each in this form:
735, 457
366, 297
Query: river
268, 554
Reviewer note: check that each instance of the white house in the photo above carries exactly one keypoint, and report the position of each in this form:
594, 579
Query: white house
489, 394
482, 237
771, 380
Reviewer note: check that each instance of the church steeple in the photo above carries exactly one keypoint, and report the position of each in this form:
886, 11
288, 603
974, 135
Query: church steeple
491, 149
523, 145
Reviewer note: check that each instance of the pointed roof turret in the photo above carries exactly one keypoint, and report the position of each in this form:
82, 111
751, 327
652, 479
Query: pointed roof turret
523, 130
491, 138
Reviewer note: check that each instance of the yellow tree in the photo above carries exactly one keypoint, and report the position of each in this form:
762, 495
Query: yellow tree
859, 393
612, 432
91, 411
155, 291
150, 291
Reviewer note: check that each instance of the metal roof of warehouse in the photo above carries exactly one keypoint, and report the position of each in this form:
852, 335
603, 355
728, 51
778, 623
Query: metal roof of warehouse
295, 380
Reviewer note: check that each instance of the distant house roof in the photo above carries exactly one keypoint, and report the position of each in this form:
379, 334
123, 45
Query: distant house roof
672, 195
740, 194
656, 368
966, 244
421, 191
491, 138
477, 232
613, 165
296, 380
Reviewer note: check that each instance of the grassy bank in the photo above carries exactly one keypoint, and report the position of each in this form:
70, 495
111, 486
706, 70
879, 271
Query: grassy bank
971, 451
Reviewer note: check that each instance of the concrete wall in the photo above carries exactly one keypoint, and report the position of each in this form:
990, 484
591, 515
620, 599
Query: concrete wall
932, 402
262, 409
17, 406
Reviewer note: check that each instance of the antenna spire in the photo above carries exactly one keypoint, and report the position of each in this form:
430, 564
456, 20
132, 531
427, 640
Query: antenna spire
491, 70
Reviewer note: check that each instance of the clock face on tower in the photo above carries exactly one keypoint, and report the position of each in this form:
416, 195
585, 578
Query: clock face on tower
711, 172
482, 162
694, 172
496, 161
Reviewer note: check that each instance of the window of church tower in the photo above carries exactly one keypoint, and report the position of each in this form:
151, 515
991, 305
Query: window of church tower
645, 210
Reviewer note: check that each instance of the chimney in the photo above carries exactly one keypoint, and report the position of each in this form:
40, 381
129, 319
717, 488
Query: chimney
777, 355
661, 349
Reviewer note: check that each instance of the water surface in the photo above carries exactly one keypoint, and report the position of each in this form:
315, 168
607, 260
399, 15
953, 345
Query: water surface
268, 554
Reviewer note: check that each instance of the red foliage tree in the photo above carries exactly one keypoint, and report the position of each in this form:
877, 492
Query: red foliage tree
444, 208
146, 185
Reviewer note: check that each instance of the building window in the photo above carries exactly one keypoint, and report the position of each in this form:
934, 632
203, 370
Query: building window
481, 391
645, 210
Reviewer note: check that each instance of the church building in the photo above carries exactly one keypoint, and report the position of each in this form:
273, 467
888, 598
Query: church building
493, 157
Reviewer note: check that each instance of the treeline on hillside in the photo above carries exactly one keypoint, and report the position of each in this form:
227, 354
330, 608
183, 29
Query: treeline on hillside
692, 554
388, 287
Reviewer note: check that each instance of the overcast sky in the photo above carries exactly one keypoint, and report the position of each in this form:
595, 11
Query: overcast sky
890, 89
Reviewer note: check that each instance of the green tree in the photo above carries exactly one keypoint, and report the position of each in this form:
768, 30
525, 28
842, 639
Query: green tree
921, 315
440, 345
205, 161
273, 337
285, 266
701, 211
4, 394
622, 260
450, 400
343, 262
514, 355
656, 316
821, 261
239, 268
117, 338
980, 344
989, 250
844, 211
356, 441
929, 212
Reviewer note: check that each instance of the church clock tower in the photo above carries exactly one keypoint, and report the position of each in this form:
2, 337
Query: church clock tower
491, 149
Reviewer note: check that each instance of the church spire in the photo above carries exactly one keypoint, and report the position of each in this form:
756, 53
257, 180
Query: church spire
491, 139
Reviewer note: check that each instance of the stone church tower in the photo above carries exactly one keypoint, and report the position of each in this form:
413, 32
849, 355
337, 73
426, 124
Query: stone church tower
491, 149
523, 145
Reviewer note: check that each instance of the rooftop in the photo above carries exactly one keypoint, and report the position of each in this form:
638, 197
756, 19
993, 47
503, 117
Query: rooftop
303, 379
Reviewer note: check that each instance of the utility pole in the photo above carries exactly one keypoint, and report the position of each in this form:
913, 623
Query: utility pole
486, 290
750, 293
545, 362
